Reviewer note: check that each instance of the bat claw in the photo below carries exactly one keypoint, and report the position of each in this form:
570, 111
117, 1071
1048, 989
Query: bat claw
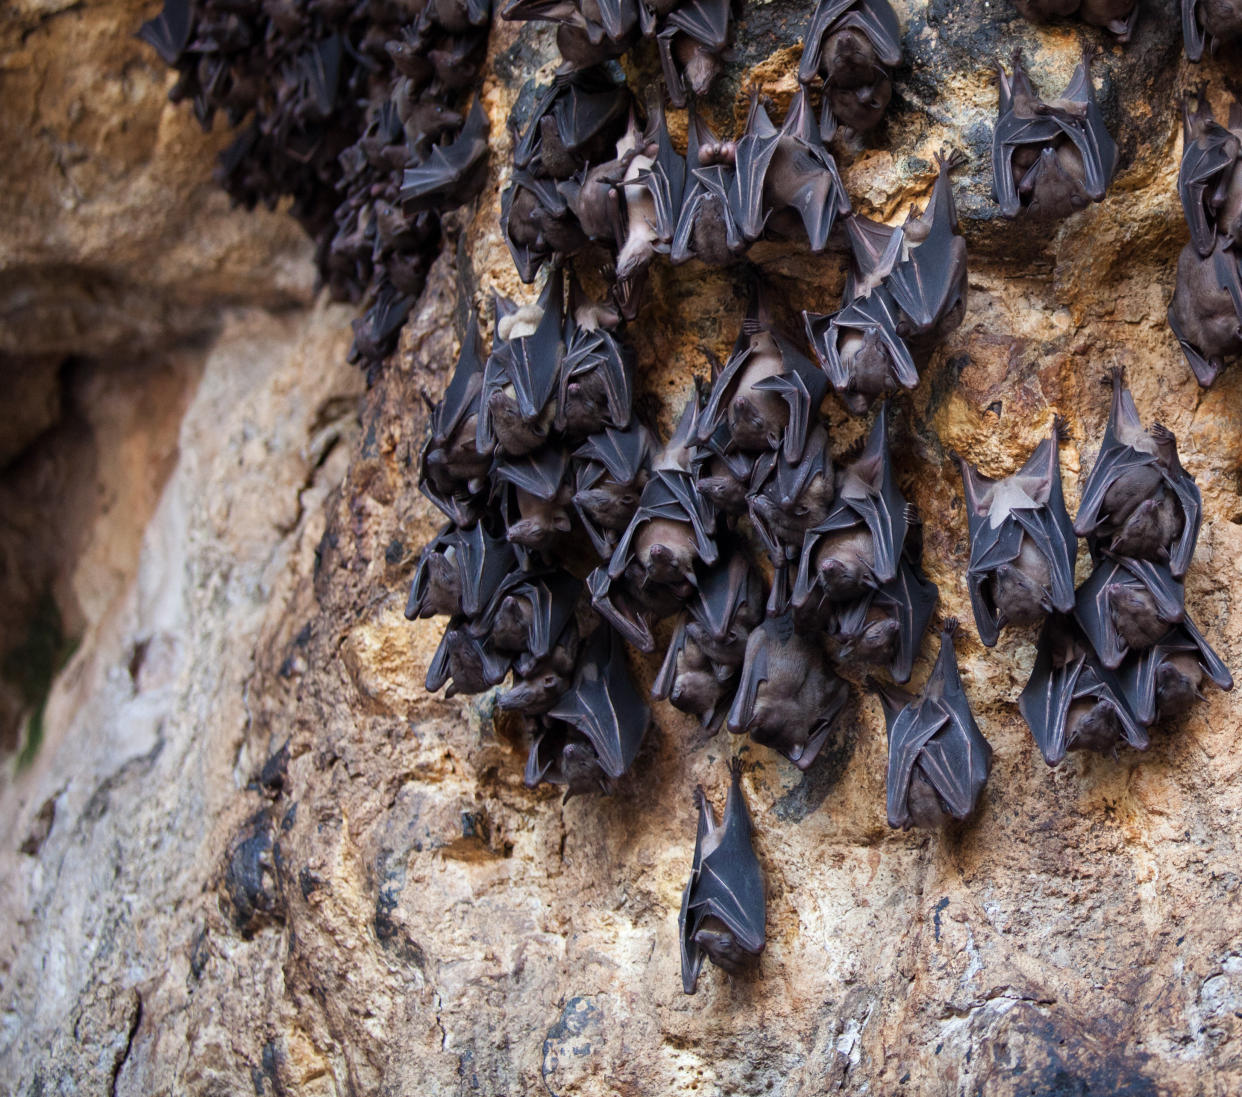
950, 626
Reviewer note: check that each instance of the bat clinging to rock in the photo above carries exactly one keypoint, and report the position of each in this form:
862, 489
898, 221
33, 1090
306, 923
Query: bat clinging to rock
612, 469
1210, 22
938, 760
1022, 543
1166, 679
1206, 311
452, 174
1210, 179
1126, 606
723, 912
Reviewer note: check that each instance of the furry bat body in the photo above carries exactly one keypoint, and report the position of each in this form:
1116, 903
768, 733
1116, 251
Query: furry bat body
706, 228
576, 122
596, 378
938, 760
1116, 16
1126, 607
1050, 159
692, 44
534, 494
612, 469
1138, 501
1206, 311
1210, 179
788, 696
1165, 680
459, 573
723, 912
1210, 23
1072, 701
1022, 543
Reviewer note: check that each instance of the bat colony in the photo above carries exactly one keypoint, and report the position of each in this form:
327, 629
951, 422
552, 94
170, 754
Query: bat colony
538, 437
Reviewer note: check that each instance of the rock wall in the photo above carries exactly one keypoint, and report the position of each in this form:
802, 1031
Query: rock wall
250, 853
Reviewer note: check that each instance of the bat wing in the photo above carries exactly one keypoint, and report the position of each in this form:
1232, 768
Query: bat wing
720, 183
1192, 32
527, 147
706, 21
628, 620
1138, 676
461, 398
1094, 616
754, 674
534, 361
928, 283
618, 17
169, 32
826, 13
957, 761
1089, 133
448, 170
908, 733
803, 391
666, 181
681, 248
604, 705
754, 156
664, 680
914, 599
884, 508
1169, 593
1046, 698
988, 551
486, 562
878, 312
691, 954
723, 389
877, 20
730, 882
1010, 133
599, 350
1206, 160
540, 474
590, 103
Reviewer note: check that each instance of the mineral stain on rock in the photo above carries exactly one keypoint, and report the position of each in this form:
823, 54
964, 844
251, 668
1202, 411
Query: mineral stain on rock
569, 1045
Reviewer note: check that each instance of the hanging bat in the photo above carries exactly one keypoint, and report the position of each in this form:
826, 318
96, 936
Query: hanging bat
723, 915
169, 32
1206, 311
938, 760
852, 44
1138, 501
1022, 543
664, 180
452, 473
693, 45
723, 473
1210, 180
581, 34
706, 228
606, 713
531, 613
1072, 701
535, 504
1210, 22
857, 547
1116, 16
466, 661
596, 383
520, 378
885, 626
377, 330
1126, 606
459, 573
793, 498
788, 696
576, 122
640, 225
612, 469
452, 174
1166, 679
538, 224
786, 176
1050, 159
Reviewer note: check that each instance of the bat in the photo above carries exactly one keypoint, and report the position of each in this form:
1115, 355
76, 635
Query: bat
538, 223
1209, 182
1050, 159
576, 122
521, 374
852, 44
793, 497
786, 176
886, 625
1072, 701
857, 547
581, 34
169, 32
938, 760
664, 180
1022, 543
723, 915
691, 682
1138, 501
466, 661
706, 228
535, 691
452, 473
1165, 680
1210, 23
452, 174
788, 695
723, 473
692, 46
530, 614
597, 374
1126, 606
459, 573
1206, 311
612, 468
535, 504
377, 330
602, 718
1117, 16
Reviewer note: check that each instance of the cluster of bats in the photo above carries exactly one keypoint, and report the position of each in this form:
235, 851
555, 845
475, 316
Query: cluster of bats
347, 108
1206, 311
1210, 23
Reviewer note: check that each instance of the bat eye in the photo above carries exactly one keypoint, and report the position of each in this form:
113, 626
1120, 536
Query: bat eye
801, 512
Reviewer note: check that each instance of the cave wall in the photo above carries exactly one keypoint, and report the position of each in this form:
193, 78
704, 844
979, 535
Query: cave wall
250, 853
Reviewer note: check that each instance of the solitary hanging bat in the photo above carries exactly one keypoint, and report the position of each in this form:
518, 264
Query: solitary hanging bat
535, 503
1164, 681
857, 547
1210, 180
692, 44
886, 625
852, 44
460, 572
706, 228
453, 472
1072, 701
723, 914
596, 385
1206, 311
1022, 543
575, 122
788, 696
1126, 606
1210, 22
612, 470
606, 713
521, 374
1050, 159
938, 760
1138, 501
452, 174
786, 176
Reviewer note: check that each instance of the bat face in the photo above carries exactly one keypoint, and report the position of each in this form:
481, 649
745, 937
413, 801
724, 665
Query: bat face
938, 760
1163, 682
723, 911
612, 470
788, 696
886, 625
1138, 501
1050, 159
1022, 544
